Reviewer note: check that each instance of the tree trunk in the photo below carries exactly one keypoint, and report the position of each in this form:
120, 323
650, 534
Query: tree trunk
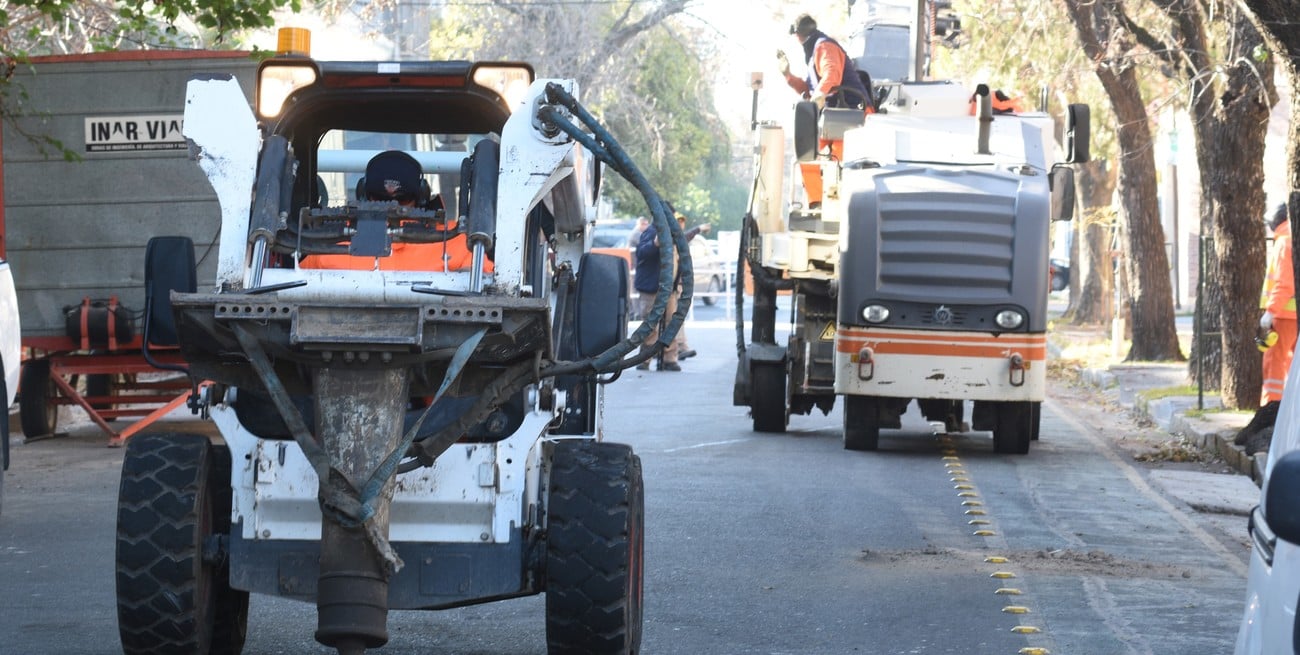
1279, 21
1145, 263
1234, 191
1092, 270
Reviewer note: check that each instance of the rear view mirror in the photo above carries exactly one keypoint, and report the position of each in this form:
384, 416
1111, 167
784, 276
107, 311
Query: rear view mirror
1078, 132
1282, 498
1061, 181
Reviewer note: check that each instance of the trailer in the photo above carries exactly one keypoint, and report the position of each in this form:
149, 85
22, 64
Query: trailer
75, 228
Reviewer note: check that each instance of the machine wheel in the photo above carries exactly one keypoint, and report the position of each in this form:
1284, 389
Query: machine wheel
169, 598
767, 399
715, 286
861, 423
1035, 417
595, 517
37, 412
1013, 432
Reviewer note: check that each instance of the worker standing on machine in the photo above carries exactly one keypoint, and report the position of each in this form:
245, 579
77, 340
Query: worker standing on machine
832, 81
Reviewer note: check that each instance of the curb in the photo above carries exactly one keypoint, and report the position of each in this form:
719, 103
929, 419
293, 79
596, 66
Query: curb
1211, 433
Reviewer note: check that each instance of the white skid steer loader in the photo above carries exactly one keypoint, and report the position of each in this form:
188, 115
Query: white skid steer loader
400, 427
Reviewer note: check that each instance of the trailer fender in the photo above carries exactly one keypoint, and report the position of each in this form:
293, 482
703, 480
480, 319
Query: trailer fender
755, 353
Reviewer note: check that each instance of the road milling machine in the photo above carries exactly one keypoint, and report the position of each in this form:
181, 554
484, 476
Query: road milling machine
393, 436
921, 272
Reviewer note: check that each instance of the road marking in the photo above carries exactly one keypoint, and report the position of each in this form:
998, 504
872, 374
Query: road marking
706, 444
966, 490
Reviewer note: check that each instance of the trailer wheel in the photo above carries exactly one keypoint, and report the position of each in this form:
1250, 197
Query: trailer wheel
767, 403
861, 423
1035, 418
170, 597
1013, 432
595, 517
37, 411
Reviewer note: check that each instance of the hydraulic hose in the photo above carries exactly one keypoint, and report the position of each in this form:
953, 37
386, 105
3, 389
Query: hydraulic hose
606, 149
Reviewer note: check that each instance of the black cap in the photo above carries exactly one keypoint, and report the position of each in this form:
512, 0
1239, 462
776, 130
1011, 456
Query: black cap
393, 175
803, 25
1279, 216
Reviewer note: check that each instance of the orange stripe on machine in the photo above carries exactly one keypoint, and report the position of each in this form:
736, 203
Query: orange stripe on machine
1033, 347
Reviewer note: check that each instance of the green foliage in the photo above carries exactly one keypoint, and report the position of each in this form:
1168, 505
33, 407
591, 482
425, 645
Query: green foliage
41, 27
646, 79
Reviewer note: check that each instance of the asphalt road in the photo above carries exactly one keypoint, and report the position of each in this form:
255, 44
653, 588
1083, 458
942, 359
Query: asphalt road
771, 544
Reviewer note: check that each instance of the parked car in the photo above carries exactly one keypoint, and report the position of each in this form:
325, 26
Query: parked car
611, 238
1273, 585
1059, 274
708, 270
10, 360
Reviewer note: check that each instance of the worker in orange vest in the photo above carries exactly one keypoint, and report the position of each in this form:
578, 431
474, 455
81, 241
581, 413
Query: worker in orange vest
832, 81
1277, 325
1278, 303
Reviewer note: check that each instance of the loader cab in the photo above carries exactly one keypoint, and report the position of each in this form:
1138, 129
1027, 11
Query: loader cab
334, 115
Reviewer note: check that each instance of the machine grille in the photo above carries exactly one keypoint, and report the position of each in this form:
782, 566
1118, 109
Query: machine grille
938, 244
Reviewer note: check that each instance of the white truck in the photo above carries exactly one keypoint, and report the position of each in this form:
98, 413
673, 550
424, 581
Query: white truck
921, 272
411, 438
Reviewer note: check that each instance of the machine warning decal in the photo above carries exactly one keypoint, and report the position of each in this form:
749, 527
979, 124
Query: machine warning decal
828, 334
126, 133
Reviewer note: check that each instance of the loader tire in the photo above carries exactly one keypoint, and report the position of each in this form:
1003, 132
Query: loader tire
37, 412
595, 518
768, 399
169, 598
861, 423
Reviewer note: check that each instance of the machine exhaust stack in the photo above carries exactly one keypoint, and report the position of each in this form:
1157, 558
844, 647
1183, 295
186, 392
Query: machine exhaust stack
984, 100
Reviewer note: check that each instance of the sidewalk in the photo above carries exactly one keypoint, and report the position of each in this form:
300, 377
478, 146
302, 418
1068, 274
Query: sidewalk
1210, 431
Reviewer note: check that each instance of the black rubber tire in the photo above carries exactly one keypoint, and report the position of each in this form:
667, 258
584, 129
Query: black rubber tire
1012, 434
169, 600
100, 384
37, 412
1035, 418
861, 423
595, 522
768, 404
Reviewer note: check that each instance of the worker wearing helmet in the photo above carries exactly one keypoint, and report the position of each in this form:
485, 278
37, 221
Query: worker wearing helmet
832, 81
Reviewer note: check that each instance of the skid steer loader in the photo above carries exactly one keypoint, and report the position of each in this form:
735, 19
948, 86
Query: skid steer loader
413, 439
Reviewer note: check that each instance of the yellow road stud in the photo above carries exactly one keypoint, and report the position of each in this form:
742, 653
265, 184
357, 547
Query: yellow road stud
1034, 650
1026, 629
1002, 575
1015, 609
1008, 591
995, 559
984, 533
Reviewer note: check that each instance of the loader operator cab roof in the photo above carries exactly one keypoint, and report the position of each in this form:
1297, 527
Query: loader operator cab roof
336, 115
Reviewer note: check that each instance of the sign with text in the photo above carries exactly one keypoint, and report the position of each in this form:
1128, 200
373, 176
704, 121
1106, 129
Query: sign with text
129, 133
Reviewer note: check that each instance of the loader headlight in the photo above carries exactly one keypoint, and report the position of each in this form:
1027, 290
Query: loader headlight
280, 77
1009, 319
875, 313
